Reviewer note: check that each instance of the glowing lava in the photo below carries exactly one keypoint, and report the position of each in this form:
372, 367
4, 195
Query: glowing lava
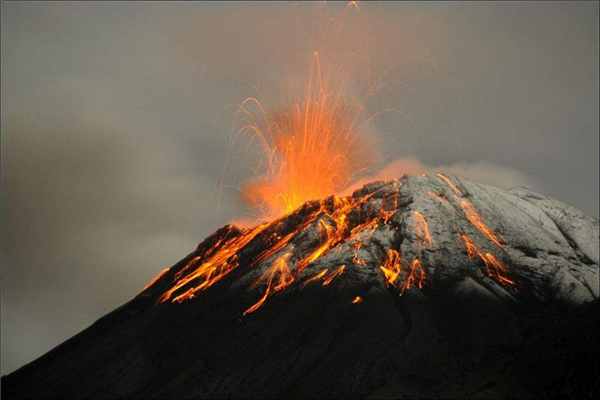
280, 268
493, 266
416, 276
474, 217
411, 275
421, 227
333, 275
212, 270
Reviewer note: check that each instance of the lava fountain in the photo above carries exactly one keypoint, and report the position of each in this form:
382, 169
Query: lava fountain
314, 143
311, 149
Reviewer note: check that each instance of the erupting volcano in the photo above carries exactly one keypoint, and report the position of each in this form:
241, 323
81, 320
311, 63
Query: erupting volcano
425, 286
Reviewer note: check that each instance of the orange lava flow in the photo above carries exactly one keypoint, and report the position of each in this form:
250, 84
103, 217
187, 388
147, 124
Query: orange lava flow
358, 261
316, 277
420, 225
279, 267
416, 277
357, 300
449, 183
391, 268
500, 270
387, 215
185, 268
439, 198
333, 275
493, 266
212, 270
474, 218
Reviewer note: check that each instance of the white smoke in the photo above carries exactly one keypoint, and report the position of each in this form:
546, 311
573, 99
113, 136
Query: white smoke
480, 171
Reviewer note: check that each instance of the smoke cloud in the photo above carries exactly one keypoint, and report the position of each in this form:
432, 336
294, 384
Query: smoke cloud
480, 171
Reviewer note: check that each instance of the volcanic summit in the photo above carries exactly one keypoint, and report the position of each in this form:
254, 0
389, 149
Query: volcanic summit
421, 287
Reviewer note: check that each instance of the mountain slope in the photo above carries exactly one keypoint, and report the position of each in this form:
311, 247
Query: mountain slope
421, 287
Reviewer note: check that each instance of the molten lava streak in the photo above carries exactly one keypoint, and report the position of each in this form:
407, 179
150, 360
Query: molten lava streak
211, 271
414, 276
470, 213
424, 239
316, 277
449, 183
474, 217
279, 267
493, 266
333, 275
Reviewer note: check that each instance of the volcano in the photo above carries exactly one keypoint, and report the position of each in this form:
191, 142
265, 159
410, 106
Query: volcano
421, 287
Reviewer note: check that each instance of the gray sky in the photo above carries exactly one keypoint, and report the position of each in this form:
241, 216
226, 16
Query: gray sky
111, 156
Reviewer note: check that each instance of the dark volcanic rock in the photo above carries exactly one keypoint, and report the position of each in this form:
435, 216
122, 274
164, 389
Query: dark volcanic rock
465, 334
